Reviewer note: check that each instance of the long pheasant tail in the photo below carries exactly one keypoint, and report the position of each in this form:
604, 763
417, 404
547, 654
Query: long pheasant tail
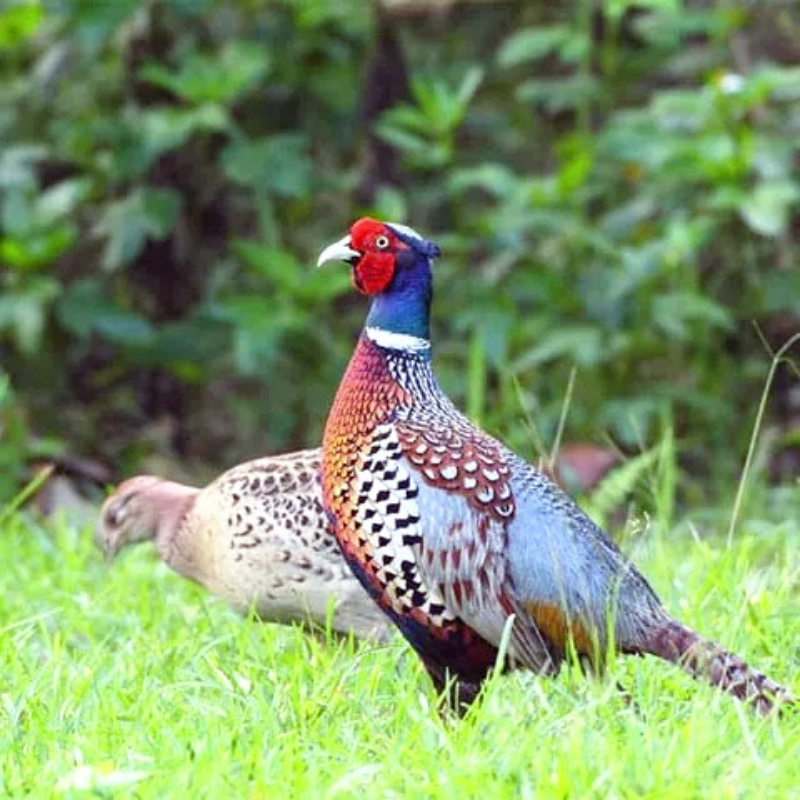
706, 660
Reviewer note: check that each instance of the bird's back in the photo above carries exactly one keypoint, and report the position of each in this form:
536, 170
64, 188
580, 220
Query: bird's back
268, 546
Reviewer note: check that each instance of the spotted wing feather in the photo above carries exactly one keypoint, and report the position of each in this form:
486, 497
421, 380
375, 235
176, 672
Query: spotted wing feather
464, 483
455, 458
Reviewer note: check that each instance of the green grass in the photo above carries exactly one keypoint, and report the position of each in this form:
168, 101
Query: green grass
130, 682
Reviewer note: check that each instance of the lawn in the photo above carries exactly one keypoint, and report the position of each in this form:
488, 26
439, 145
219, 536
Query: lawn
130, 682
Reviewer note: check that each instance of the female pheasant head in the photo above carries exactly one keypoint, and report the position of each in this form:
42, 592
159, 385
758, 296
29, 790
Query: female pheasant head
142, 508
392, 264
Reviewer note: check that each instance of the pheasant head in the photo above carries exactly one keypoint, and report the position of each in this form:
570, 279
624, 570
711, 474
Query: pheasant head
392, 264
142, 508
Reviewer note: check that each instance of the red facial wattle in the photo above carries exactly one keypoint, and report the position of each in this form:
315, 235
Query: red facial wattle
379, 246
373, 272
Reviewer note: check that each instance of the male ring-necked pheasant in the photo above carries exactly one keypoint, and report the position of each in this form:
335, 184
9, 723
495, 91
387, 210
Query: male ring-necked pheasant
452, 533
256, 537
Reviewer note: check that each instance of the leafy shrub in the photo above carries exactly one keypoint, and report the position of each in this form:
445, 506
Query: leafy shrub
616, 192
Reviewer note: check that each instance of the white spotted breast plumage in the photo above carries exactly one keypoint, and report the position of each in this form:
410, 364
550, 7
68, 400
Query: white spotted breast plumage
388, 521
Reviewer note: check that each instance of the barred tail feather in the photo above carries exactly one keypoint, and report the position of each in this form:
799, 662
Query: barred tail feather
706, 660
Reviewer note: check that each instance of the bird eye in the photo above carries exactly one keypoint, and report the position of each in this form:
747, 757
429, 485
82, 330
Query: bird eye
382, 242
115, 515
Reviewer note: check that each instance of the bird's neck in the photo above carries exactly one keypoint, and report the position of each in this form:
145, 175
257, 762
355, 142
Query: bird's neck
171, 502
399, 318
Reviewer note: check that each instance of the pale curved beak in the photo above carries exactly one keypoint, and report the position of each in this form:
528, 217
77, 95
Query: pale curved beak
338, 251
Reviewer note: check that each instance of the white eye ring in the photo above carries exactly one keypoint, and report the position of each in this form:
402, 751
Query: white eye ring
382, 242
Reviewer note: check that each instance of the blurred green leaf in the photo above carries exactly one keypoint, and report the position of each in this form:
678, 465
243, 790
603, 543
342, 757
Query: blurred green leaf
38, 248
558, 94
163, 129
781, 290
496, 179
146, 213
189, 348
61, 199
18, 165
14, 440
578, 344
19, 22
278, 164
424, 132
530, 44
677, 312
23, 313
258, 325
766, 208
216, 77
85, 309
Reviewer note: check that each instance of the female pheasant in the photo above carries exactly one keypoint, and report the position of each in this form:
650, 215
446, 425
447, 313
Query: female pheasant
455, 536
256, 537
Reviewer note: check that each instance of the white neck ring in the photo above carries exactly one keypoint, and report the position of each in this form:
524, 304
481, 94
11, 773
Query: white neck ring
397, 341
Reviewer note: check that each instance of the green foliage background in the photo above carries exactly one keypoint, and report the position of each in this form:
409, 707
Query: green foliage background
615, 187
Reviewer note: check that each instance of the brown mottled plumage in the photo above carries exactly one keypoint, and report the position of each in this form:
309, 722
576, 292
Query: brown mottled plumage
256, 537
